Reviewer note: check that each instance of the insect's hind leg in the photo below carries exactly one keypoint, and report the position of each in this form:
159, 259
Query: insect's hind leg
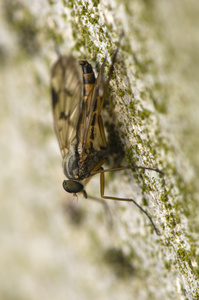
102, 184
102, 132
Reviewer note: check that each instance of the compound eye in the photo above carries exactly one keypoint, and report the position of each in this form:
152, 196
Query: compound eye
72, 186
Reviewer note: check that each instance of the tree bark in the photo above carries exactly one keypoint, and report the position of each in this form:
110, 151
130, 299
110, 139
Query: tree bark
73, 254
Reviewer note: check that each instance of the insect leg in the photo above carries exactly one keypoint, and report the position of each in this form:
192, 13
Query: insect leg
127, 168
101, 201
102, 184
101, 128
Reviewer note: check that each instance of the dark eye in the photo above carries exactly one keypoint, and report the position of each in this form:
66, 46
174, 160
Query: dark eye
72, 186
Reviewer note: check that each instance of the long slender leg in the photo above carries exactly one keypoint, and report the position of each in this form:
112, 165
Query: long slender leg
102, 133
101, 201
102, 184
127, 168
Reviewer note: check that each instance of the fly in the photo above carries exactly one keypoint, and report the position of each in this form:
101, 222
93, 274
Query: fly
78, 124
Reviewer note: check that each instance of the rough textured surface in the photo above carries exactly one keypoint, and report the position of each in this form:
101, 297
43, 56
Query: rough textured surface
48, 252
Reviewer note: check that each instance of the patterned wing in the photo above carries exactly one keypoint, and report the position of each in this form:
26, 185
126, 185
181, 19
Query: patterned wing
91, 106
66, 91
92, 101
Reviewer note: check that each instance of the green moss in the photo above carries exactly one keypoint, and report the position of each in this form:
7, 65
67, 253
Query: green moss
183, 255
144, 113
120, 92
130, 153
168, 265
132, 107
146, 188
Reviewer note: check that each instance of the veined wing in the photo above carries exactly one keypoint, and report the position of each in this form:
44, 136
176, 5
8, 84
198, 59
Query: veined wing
94, 102
90, 112
66, 90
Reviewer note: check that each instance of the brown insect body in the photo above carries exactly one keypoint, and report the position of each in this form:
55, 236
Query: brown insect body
78, 124
78, 135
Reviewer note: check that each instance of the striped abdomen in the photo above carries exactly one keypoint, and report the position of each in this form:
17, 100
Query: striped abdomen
88, 78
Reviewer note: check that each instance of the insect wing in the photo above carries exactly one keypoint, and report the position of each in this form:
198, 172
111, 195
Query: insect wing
89, 108
66, 91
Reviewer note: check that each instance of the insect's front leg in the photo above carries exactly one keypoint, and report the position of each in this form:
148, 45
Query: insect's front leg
101, 201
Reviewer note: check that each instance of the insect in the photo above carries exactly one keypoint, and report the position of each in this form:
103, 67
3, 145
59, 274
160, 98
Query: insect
77, 113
